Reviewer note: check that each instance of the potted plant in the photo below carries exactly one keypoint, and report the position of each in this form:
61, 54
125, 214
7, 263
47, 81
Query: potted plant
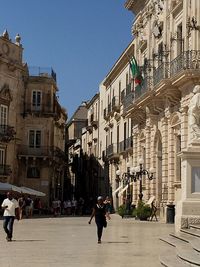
122, 210
143, 211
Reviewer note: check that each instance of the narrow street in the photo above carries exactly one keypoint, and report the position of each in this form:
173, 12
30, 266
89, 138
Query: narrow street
48, 242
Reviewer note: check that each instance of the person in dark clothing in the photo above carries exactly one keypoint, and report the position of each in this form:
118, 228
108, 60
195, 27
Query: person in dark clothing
100, 214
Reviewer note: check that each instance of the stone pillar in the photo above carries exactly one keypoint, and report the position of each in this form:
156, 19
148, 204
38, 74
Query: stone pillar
148, 159
153, 160
135, 155
184, 127
171, 159
164, 160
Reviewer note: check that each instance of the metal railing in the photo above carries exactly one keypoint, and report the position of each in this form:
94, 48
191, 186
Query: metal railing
128, 88
48, 151
112, 149
143, 87
128, 100
42, 72
185, 61
162, 72
105, 113
115, 103
5, 169
126, 144
7, 133
35, 108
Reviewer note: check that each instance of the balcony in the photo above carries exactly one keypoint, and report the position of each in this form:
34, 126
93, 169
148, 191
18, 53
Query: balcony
161, 73
128, 100
42, 72
39, 109
128, 89
142, 88
126, 145
93, 121
105, 114
5, 170
7, 133
109, 108
112, 151
188, 60
40, 152
115, 104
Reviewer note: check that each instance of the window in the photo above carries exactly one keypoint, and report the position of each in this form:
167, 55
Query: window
179, 39
119, 91
2, 156
3, 114
127, 79
33, 172
36, 99
34, 138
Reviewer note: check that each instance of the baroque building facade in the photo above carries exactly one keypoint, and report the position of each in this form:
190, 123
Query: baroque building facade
32, 148
167, 47
149, 119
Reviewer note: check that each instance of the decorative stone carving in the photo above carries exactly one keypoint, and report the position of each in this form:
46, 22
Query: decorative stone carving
5, 92
5, 35
17, 39
194, 115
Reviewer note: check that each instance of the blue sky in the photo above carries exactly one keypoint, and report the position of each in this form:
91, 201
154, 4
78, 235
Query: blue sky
80, 39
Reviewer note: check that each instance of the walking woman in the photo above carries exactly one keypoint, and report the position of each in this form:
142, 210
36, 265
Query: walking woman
100, 214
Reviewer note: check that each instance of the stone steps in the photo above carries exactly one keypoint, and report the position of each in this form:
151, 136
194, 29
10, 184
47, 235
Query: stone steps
185, 248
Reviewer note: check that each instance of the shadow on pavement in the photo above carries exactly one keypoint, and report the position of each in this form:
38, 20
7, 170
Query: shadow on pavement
28, 240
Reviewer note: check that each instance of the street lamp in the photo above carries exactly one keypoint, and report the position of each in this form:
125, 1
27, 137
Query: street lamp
126, 178
137, 174
134, 174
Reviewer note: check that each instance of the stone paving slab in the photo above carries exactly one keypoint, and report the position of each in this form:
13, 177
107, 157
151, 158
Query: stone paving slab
70, 241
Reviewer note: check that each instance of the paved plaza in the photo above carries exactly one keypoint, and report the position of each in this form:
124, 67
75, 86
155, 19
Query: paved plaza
48, 242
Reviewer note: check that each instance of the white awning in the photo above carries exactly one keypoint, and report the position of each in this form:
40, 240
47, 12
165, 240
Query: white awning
30, 191
124, 189
9, 187
115, 192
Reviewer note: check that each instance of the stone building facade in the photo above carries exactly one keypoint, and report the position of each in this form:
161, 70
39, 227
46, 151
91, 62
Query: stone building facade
32, 144
149, 119
167, 47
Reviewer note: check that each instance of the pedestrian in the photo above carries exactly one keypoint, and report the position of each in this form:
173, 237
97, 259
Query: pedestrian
28, 202
21, 202
68, 207
11, 210
107, 202
74, 206
100, 214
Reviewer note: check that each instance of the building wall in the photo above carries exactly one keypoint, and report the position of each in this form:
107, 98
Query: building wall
24, 114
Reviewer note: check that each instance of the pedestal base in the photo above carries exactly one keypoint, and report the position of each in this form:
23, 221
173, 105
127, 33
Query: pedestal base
188, 212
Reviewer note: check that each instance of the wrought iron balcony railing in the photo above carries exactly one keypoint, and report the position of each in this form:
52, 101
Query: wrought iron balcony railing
128, 89
7, 133
115, 103
41, 151
112, 150
188, 60
126, 144
109, 108
128, 100
161, 73
5, 170
42, 72
143, 87
33, 108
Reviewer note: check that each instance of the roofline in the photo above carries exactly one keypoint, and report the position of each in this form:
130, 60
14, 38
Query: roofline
120, 63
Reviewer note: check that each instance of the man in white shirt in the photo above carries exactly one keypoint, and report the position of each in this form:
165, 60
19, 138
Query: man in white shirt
11, 208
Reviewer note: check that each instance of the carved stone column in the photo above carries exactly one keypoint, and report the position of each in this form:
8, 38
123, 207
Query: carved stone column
171, 159
164, 160
148, 158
